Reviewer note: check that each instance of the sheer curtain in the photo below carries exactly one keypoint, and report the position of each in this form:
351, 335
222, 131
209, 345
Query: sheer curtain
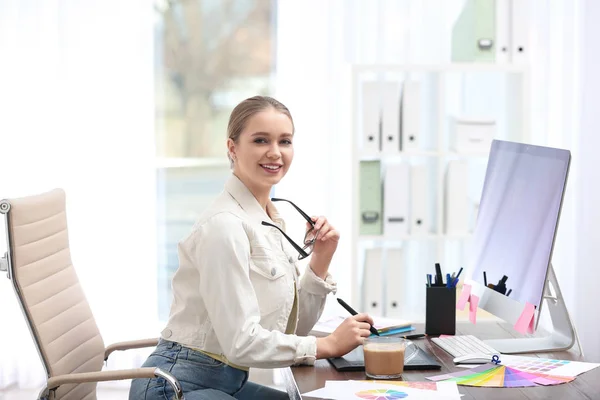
565, 91
77, 113
556, 84
587, 274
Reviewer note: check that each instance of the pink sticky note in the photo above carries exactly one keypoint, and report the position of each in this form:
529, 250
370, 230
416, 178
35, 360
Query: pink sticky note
530, 328
525, 321
464, 297
473, 303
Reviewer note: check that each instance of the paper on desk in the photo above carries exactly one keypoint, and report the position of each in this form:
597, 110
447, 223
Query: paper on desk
547, 366
347, 390
446, 388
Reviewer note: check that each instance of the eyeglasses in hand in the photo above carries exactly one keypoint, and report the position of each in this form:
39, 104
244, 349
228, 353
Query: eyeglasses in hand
310, 237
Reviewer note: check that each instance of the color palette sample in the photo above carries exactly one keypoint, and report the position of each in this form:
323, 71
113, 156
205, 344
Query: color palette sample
492, 375
381, 394
547, 366
422, 385
538, 365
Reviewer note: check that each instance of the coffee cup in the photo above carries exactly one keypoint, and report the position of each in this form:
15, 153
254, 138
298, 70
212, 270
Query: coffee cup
384, 357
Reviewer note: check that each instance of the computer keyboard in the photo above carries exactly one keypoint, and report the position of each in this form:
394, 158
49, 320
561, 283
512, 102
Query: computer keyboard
462, 345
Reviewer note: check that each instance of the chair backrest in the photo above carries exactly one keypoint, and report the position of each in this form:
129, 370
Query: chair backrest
56, 308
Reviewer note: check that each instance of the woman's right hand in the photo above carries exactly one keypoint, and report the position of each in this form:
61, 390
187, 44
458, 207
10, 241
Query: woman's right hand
346, 337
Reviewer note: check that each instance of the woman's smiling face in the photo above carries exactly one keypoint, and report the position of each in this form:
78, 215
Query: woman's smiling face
264, 150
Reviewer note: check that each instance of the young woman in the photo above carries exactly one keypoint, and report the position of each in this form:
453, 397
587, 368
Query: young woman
238, 298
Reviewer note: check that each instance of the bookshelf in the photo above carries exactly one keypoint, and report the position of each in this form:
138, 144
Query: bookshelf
497, 92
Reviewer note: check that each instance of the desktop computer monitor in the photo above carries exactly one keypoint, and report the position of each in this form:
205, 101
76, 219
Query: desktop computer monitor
516, 226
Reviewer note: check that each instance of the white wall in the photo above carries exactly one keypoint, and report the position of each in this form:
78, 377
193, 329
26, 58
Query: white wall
587, 270
312, 80
77, 112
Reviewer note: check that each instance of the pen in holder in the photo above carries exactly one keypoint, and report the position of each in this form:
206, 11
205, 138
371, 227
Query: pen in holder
440, 310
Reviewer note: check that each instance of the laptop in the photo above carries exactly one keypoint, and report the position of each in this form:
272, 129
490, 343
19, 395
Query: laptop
355, 361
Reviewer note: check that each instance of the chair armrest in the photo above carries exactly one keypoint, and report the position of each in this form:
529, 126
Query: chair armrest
101, 376
132, 344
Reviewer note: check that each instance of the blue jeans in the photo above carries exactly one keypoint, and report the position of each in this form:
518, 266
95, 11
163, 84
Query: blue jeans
200, 376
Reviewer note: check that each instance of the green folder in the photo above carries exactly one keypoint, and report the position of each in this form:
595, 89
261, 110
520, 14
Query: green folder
474, 33
370, 199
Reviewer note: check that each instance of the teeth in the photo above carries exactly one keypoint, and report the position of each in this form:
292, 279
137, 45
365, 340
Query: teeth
273, 167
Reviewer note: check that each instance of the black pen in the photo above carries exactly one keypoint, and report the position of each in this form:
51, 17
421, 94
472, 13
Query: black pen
455, 279
438, 275
351, 311
415, 336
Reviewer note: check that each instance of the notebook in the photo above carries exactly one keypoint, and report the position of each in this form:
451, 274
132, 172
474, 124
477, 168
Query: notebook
385, 326
354, 361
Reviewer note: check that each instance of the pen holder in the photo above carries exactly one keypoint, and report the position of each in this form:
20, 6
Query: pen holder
440, 310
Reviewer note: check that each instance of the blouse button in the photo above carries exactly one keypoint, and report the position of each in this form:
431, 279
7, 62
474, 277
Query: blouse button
291, 259
273, 271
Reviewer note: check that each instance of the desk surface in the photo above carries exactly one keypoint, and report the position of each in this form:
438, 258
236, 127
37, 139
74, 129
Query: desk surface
586, 386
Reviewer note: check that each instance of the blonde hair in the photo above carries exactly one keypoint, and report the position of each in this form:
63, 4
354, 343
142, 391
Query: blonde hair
246, 110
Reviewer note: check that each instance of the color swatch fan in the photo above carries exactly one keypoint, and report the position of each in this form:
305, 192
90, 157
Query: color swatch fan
386, 390
492, 375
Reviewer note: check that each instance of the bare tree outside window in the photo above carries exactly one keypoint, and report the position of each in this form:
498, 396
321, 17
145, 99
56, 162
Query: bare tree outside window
212, 53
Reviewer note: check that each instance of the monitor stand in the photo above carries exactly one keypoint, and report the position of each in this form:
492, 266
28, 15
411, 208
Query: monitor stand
561, 337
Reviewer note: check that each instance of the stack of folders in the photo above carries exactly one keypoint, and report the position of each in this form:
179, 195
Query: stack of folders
492, 31
389, 326
385, 326
391, 116
391, 124
398, 204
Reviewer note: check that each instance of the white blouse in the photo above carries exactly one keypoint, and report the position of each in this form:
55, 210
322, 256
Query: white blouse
236, 286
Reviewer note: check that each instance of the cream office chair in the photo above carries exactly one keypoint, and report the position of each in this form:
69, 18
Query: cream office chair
38, 262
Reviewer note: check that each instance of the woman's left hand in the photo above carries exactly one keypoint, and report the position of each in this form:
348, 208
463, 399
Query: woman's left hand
328, 237
324, 247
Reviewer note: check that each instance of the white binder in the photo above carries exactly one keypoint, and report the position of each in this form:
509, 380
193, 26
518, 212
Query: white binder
371, 117
471, 135
396, 200
456, 204
373, 282
390, 117
411, 114
520, 49
394, 281
419, 201
503, 28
